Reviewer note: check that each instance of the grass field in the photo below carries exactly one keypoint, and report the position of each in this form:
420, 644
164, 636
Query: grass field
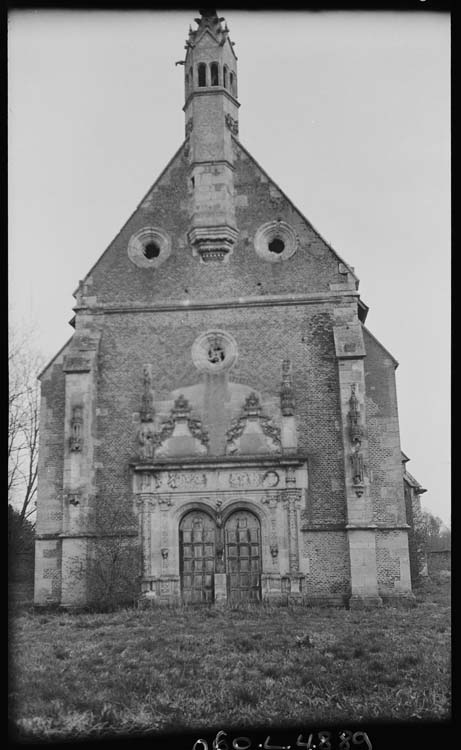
78, 675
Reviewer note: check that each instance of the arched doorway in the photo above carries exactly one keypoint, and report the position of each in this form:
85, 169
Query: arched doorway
201, 543
243, 556
197, 541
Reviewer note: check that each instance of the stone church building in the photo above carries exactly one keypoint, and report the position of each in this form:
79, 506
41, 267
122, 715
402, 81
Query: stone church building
221, 411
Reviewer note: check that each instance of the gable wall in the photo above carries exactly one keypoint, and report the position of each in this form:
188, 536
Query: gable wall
115, 280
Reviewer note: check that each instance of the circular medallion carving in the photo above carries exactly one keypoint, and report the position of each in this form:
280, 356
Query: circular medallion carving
149, 247
275, 241
214, 351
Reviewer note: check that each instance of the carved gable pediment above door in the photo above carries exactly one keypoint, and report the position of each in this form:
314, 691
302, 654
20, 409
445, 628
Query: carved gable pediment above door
253, 431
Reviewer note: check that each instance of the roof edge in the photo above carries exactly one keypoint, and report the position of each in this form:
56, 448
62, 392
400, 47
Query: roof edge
50, 362
176, 154
396, 364
341, 260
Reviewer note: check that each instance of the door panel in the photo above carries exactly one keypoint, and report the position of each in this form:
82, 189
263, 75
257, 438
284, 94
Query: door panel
197, 532
243, 556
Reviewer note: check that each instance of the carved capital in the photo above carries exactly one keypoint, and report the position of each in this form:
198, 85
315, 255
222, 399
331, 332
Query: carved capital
271, 500
146, 501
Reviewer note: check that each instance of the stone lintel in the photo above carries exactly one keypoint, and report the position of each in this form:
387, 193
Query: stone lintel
221, 462
361, 527
94, 535
355, 527
269, 300
324, 527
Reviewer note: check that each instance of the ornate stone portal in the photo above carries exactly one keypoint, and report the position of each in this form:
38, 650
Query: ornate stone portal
215, 530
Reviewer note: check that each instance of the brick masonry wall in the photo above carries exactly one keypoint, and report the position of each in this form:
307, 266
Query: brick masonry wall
115, 280
392, 562
325, 562
264, 339
385, 462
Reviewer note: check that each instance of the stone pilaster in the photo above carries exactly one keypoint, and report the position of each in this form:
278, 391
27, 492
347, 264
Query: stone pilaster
350, 353
146, 502
79, 487
292, 501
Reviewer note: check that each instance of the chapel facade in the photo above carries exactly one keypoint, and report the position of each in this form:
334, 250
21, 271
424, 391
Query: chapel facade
221, 410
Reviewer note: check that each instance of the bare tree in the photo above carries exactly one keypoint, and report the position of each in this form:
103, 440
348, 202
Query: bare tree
23, 424
112, 570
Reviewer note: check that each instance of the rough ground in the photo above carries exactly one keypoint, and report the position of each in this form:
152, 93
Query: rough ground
78, 675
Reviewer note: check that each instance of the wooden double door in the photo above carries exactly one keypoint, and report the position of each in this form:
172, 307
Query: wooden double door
207, 549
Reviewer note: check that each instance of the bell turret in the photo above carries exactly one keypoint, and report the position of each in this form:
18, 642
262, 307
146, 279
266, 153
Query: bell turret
211, 113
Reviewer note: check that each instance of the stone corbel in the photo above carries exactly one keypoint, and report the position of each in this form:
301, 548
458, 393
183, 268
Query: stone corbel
164, 502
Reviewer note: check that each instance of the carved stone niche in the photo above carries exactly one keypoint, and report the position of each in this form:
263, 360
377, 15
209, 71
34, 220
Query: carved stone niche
287, 397
357, 471
76, 429
355, 428
356, 435
147, 438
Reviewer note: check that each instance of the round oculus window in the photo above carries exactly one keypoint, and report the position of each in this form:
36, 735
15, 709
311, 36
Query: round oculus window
214, 351
149, 247
275, 241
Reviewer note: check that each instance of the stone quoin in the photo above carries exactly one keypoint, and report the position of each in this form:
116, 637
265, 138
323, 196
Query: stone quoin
221, 393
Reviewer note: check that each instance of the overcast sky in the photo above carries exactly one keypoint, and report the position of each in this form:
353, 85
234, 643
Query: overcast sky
349, 113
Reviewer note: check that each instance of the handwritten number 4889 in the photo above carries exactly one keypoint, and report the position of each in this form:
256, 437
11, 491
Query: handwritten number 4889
322, 742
